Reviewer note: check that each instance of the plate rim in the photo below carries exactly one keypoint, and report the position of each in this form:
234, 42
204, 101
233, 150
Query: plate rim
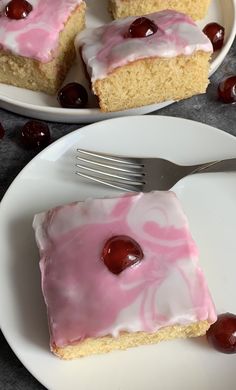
72, 115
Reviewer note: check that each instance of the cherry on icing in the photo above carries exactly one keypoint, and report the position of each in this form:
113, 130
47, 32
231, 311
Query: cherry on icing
2, 131
120, 252
18, 9
35, 134
222, 334
227, 90
142, 28
216, 33
73, 95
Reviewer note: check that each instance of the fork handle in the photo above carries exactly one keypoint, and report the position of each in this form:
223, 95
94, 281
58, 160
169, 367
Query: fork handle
227, 165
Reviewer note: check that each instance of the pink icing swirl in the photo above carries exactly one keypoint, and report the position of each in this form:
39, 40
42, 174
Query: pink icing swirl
107, 47
37, 35
84, 299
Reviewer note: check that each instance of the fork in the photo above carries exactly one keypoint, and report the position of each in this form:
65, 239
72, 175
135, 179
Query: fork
141, 174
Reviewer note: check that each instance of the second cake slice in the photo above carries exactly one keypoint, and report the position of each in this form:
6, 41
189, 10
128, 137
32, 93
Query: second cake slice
134, 62
37, 48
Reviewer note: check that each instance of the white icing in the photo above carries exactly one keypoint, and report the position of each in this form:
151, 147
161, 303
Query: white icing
106, 48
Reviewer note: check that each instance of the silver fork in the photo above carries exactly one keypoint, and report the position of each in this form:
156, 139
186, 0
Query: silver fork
141, 174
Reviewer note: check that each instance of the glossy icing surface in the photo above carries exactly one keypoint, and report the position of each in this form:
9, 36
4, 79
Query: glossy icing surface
107, 47
37, 35
84, 299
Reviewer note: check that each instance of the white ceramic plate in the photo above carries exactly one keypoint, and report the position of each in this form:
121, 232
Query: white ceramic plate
209, 202
42, 106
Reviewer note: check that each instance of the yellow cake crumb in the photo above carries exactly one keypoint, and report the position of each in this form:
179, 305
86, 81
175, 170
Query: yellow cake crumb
153, 80
197, 9
92, 346
46, 77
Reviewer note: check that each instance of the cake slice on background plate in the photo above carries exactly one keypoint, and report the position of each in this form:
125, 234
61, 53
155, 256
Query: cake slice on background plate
118, 273
197, 9
134, 62
37, 41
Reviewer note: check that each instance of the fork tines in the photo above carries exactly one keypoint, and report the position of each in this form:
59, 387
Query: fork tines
118, 172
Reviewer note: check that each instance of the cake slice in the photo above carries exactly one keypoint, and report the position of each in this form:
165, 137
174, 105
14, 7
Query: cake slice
197, 9
134, 62
36, 51
118, 273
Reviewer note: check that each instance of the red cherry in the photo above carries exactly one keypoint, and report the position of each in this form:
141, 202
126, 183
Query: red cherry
216, 33
142, 28
120, 252
2, 131
227, 90
35, 134
222, 334
73, 95
18, 9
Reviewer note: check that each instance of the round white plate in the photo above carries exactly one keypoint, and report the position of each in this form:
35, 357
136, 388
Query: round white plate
41, 106
209, 202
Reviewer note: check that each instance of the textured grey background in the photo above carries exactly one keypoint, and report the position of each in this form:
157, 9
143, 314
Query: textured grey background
205, 108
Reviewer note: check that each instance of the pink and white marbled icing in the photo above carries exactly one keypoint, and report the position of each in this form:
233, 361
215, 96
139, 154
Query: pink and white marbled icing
37, 35
106, 48
84, 299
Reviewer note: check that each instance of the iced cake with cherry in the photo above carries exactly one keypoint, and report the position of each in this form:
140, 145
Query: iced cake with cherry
134, 62
37, 41
197, 9
118, 273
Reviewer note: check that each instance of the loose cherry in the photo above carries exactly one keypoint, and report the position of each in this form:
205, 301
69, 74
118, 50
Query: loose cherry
216, 33
73, 95
142, 28
227, 90
18, 9
35, 134
120, 252
2, 131
222, 334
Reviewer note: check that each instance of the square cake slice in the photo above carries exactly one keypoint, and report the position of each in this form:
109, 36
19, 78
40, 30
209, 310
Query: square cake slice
37, 51
121, 272
197, 9
134, 62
